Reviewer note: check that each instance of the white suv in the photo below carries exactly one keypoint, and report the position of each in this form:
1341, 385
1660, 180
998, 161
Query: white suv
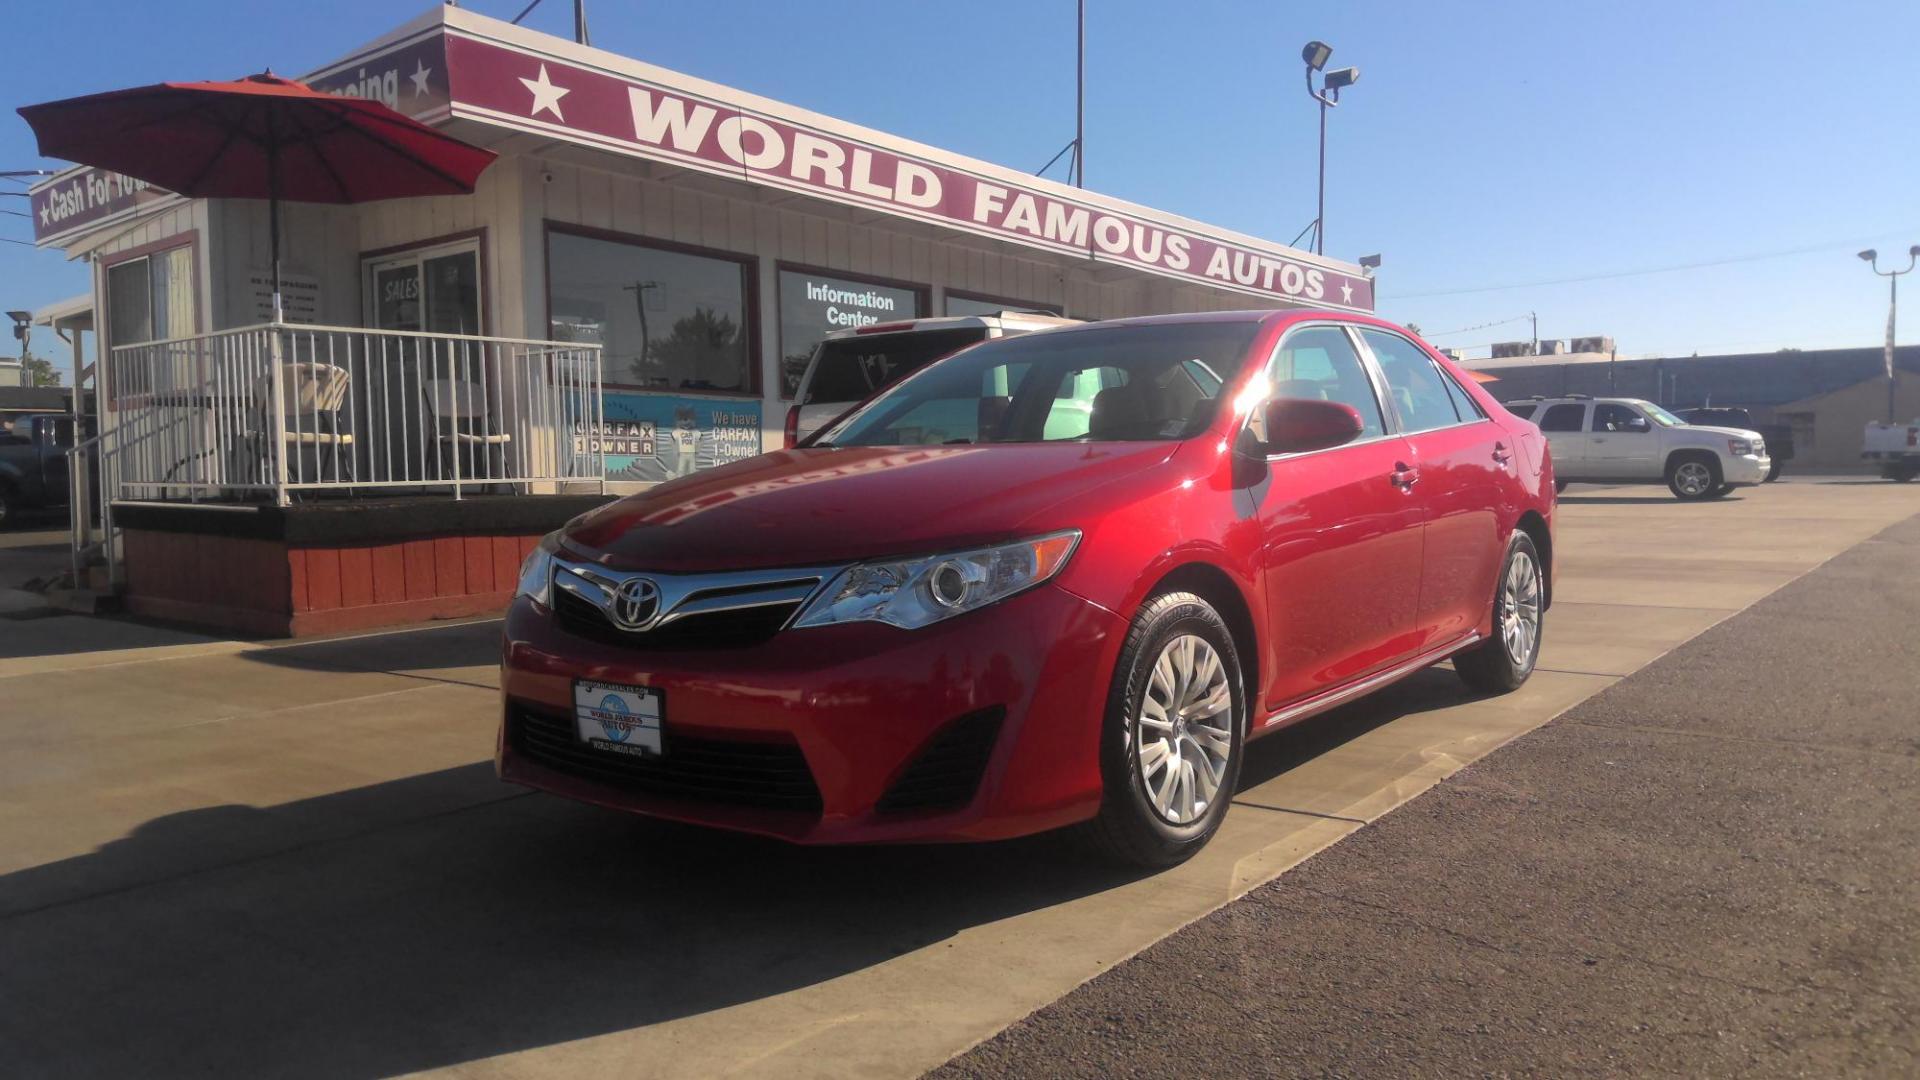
1629, 441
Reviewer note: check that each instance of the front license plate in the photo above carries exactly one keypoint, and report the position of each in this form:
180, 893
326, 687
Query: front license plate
618, 718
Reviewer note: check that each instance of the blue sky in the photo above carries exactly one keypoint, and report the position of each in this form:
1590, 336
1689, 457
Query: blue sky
1486, 145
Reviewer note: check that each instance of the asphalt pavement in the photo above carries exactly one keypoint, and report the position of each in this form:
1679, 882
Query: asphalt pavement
1711, 868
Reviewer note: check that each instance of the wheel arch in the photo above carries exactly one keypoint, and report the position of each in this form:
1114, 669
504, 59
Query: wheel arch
1535, 526
1675, 456
1217, 587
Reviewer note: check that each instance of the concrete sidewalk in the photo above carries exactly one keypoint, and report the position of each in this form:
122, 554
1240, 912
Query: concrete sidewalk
294, 860
1710, 869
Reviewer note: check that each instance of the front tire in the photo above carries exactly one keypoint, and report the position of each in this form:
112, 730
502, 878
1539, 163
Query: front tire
1693, 477
1774, 470
1171, 743
1504, 661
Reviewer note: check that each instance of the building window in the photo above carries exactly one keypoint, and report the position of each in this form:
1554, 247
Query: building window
668, 319
151, 298
965, 304
812, 304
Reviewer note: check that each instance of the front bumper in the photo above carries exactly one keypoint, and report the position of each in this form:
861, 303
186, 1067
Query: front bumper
861, 703
1746, 469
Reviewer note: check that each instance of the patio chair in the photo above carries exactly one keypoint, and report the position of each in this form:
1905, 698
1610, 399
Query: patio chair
310, 430
462, 425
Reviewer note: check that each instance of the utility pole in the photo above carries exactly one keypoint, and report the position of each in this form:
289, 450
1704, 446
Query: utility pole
1872, 258
1535, 316
580, 22
1080, 104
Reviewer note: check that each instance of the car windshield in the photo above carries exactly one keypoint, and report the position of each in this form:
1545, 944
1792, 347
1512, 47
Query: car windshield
850, 368
1660, 415
1115, 383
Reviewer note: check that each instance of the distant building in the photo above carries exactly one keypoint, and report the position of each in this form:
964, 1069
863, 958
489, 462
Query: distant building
1826, 395
11, 372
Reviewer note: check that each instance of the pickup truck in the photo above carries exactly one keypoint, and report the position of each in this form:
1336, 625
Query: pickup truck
1630, 441
1895, 449
33, 465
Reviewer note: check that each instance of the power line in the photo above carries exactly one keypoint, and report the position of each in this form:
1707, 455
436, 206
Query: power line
1481, 326
1704, 264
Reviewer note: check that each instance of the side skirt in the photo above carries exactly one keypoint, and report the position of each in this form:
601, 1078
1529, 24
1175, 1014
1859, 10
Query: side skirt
1340, 695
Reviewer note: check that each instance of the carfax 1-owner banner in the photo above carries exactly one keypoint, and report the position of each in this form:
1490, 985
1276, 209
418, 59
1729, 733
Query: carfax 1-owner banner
652, 437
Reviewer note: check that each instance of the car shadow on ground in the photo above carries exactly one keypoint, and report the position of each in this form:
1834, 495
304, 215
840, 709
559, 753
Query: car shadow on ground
446, 917
1643, 500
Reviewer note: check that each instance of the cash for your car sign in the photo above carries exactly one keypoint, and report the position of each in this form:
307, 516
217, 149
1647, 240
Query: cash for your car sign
652, 437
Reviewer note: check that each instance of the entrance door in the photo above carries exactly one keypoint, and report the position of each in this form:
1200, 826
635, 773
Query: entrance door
434, 289
437, 291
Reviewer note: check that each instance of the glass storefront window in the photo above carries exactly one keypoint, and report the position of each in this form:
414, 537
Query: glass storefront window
668, 319
961, 304
812, 304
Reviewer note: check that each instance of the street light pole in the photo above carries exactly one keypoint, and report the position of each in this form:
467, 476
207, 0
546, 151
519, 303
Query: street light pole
1872, 259
1316, 54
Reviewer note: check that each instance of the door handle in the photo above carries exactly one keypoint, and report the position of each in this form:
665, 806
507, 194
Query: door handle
1501, 454
1404, 476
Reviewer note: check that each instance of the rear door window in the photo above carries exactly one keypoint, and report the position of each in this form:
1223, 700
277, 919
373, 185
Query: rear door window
1565, 417
1419, 391
849, 369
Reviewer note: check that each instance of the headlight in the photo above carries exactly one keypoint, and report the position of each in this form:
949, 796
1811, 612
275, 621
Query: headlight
536, 573
910, 593
1739, 447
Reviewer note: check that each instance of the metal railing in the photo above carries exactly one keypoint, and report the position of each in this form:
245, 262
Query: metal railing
278, 410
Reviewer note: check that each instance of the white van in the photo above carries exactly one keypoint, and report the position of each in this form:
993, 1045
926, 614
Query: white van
851, 364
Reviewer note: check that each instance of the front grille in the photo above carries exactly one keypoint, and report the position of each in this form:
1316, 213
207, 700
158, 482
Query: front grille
946, 773
716, 630
769, 773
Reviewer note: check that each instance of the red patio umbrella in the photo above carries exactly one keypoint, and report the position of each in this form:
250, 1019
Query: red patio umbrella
262, 137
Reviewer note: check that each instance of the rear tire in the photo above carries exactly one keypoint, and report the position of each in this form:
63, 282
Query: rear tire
6, 507
1692, 477
1560, 486
1504, 661
1178, 660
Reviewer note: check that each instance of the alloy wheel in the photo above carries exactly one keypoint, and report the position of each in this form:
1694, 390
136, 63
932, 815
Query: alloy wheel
1184, 730
1520, 609
1693, 478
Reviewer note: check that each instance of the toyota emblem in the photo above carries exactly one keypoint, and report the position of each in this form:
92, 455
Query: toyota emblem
636, 604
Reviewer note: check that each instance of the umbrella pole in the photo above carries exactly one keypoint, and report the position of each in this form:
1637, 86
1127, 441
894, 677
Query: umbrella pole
273, 221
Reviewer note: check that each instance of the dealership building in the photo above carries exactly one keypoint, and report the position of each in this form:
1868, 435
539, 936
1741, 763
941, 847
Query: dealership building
668, 247
706, 238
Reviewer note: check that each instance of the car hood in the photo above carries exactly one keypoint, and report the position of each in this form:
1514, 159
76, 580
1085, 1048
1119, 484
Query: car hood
823, 507
1727, 432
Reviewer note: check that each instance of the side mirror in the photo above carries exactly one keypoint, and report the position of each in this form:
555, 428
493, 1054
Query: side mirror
1298, 425
1640, 424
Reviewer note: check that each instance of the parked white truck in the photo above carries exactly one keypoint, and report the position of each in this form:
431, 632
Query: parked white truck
1894, 449
1630, 441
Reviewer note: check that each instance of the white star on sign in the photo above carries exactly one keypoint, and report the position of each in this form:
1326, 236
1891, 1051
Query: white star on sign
44, 209
1346, 292
545, 95
419, 77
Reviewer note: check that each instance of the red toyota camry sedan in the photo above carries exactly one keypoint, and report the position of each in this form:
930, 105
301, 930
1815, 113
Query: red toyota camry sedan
1050, 580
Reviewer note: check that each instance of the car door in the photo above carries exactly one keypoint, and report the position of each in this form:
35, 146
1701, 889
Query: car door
1565, 426
1340, 539
1621, 444
1463, 462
